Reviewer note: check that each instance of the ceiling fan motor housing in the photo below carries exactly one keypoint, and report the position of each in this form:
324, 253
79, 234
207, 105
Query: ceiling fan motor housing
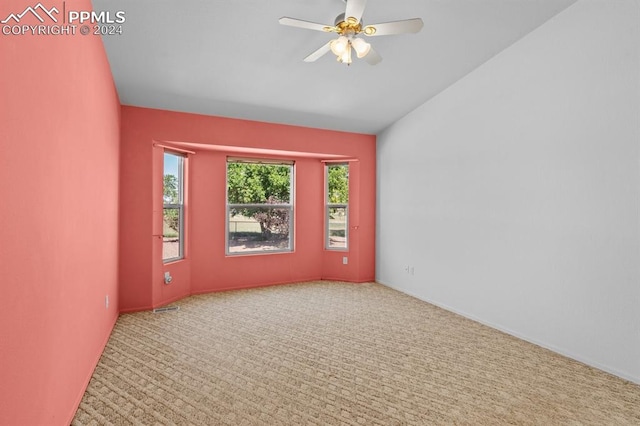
348, 26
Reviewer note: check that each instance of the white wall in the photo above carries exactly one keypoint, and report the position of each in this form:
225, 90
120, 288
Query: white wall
515, 193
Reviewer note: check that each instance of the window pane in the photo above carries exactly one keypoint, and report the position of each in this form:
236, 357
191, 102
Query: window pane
173, 224
171, 233
337, 227
251, 183
172, 179
338, 184
337, 206
259, 229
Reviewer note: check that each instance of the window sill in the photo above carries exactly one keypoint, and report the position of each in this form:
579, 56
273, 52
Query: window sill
259, 253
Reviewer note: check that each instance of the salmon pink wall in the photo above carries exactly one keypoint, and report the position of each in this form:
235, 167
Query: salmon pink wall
212, 270
59, 149
206, 267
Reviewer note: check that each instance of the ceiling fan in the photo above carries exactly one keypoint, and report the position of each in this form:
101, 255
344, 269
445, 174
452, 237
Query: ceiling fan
349, 26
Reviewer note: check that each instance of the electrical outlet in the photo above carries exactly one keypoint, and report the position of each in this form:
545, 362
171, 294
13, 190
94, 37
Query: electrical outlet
106, 301
345, 260
412, 270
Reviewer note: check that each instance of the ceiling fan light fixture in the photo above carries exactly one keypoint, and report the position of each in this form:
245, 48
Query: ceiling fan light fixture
361, 47
339, 45
345, 57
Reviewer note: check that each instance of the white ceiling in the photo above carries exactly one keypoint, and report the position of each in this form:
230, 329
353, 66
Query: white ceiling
231, 58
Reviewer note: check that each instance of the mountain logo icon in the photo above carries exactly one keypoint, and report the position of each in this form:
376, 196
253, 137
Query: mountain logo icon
34, 11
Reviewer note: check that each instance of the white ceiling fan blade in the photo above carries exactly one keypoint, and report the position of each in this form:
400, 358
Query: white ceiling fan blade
396, 27
318, 53
373, 57
355, 9
299, 23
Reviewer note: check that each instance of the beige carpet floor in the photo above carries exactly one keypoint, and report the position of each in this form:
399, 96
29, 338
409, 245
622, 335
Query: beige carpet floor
328, 353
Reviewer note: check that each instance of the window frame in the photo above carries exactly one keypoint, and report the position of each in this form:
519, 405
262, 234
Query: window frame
289, 206
173, 206
329, 206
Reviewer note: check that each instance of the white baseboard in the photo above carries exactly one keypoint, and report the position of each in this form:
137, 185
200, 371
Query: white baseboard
506, 330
